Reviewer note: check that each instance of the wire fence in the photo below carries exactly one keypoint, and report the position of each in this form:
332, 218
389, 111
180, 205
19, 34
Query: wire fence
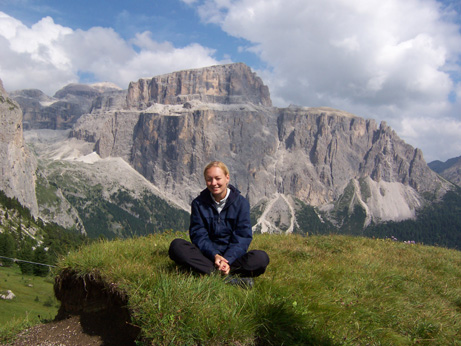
24, 261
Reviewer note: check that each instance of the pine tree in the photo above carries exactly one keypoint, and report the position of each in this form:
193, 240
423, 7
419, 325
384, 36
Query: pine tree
7, 248
40, 256
27, 254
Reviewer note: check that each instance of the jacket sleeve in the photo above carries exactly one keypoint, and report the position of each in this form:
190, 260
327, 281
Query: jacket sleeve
242, 234
199, 234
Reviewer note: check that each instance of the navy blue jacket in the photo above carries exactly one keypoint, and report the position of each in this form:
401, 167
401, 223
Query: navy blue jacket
227, 233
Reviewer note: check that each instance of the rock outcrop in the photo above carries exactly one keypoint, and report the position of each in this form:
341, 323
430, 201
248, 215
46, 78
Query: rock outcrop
17, 164
225, 84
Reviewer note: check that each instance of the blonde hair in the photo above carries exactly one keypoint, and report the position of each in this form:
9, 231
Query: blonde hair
218, 164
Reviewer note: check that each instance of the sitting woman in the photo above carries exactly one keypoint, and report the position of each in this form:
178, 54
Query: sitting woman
220, 231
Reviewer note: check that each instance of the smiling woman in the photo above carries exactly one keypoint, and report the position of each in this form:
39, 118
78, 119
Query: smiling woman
220, 231
217, 178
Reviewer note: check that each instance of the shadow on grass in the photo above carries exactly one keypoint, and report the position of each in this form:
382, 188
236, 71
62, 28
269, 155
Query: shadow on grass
278, 324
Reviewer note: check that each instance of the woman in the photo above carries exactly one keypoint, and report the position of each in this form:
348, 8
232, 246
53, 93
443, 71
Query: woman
220, 231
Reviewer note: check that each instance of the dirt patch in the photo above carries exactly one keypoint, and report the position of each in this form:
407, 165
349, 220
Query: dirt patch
92, 313
92, 330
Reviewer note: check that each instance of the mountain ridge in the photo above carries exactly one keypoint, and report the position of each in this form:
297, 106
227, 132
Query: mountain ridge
168, 127
450, 169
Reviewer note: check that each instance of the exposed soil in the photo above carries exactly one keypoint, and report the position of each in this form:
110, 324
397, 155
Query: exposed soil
92, 313
90, 330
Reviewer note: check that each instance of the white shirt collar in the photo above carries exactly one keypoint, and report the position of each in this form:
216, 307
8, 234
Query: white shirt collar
221, 203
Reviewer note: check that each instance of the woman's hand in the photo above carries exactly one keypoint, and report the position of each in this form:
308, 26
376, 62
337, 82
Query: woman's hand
222, 264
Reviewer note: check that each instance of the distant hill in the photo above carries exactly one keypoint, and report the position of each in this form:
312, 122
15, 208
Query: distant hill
450, 169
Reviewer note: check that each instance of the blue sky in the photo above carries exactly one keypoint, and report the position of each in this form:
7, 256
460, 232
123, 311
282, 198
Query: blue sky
394, 61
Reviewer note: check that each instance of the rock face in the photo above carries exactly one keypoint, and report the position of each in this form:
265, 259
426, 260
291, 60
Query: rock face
169, 127
450, 170
17, 165
62, 110
225, 84
174, 124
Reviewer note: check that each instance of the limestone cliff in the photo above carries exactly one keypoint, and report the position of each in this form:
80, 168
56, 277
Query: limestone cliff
311, 154
18, 166
224, 84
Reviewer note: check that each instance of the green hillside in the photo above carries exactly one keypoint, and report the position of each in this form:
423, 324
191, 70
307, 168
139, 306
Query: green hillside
437, 223
318, 290
34, 300
101, 203
26, 238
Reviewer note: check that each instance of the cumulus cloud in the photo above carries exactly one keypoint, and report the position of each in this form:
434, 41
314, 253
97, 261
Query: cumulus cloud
391, 60
48, 56
31, 56
441, 133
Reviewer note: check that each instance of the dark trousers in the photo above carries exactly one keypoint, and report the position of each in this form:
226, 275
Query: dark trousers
186, 254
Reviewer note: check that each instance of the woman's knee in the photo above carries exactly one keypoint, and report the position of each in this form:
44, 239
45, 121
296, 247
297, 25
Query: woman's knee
175, 248
260, 257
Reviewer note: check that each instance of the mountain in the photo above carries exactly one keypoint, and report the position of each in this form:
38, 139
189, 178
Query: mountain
18, 165
303, 169
98, 197
63, 109
280, 158
450, 169
223, 84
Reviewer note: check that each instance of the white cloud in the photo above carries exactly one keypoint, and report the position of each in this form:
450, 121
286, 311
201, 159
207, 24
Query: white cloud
48, 56
389, 60
31, 57
440, 136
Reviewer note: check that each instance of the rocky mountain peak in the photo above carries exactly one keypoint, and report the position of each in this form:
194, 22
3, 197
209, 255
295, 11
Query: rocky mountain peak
224, 84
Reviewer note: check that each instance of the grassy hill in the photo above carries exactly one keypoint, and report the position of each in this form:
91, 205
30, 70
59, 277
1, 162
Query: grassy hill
318, 290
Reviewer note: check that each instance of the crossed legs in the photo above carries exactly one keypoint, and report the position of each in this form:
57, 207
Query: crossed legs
251, 264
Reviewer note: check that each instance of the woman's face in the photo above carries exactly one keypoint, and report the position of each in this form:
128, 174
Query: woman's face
216, 182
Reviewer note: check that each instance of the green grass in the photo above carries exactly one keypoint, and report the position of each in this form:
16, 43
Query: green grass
318, 290
34, 301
